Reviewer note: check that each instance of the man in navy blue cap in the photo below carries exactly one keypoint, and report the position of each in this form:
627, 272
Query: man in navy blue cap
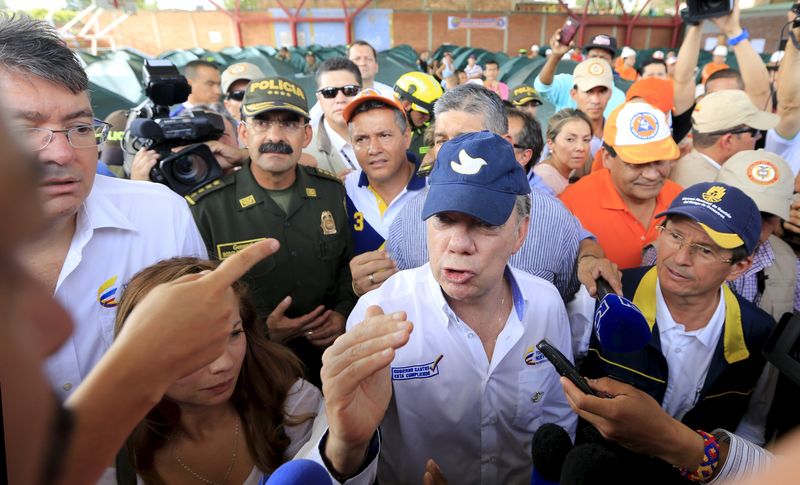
469, 389
704, 362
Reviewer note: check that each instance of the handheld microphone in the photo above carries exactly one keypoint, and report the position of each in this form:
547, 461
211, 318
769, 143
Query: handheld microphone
619, 325
298, 472
549, 448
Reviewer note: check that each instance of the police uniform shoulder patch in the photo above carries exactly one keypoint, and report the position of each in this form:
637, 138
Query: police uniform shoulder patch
322, 173
206, 189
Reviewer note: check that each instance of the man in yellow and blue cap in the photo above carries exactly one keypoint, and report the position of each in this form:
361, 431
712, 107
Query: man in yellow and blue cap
703, 363
304, 290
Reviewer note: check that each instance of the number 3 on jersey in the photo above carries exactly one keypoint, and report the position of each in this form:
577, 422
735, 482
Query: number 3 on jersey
359, 221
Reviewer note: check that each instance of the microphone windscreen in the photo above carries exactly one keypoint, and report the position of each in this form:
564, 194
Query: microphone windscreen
591, 464
145, 128
549, 447
587, 433
300, 472
620, 326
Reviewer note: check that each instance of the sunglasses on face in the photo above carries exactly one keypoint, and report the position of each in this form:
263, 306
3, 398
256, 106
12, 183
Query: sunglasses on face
349, 90
235, 95
753, 132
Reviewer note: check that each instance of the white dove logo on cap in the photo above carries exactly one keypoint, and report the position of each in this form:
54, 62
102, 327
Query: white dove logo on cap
467, 165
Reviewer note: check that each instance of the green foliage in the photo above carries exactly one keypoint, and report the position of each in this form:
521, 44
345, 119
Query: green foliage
244, 4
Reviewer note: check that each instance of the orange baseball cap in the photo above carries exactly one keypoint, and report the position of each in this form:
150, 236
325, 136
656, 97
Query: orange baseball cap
711, 68
639, 133
655, 91
370, 94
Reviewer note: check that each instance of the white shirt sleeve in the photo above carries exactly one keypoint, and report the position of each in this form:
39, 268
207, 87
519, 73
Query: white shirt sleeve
743, 458
193, 244
580, 311
308, 436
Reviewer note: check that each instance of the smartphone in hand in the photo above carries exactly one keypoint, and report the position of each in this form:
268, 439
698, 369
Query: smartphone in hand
564, 367
568, 31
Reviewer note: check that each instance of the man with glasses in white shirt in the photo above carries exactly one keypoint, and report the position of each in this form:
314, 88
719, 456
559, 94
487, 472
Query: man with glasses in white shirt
338, 82
304, 290
101, 230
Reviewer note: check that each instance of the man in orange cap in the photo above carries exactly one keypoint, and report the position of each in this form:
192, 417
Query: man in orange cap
617, 203
658, 93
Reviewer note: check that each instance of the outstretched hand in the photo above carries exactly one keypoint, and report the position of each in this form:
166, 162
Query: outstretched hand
357, 384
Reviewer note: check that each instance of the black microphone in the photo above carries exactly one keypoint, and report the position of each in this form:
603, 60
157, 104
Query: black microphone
591, 464
298, 472
146, 128
549, 448
618, 324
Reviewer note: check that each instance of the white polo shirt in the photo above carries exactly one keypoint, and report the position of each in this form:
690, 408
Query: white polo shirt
122, 227
475, 417
342, 146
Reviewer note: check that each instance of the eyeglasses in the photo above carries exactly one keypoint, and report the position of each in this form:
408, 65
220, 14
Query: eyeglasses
756, 134
81, 136
286, 126
235, 95
698, 252
349, 90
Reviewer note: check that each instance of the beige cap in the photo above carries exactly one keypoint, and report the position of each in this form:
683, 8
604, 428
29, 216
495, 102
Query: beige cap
729, 108
240, 70
592, 73
764, 176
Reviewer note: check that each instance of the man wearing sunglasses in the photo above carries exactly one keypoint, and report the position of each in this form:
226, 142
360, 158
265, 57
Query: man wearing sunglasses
102, 230
304, 290
723, 124
234, 80
338, 82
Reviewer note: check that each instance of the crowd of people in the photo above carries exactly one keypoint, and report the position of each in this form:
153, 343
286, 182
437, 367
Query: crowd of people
366, 284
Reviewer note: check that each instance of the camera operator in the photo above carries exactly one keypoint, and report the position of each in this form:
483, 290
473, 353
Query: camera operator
226, 149
205, 79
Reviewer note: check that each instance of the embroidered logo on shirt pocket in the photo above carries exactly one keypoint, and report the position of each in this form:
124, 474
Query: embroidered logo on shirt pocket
531, 385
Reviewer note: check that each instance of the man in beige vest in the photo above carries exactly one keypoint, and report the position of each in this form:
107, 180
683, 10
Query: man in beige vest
723, 124
338, 82
771, 281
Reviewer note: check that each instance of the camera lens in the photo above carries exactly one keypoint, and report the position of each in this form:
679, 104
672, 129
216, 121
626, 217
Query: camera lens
190, 169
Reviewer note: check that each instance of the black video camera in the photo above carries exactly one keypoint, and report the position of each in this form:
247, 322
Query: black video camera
697, 10
154, 129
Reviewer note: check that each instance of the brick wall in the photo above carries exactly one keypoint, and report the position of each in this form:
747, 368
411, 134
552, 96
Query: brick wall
155, 32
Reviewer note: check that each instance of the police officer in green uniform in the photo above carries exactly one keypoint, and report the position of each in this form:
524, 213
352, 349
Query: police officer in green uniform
304, 290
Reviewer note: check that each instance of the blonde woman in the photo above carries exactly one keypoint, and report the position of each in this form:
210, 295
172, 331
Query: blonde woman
568, 136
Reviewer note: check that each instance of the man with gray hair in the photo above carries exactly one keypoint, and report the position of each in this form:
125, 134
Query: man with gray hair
556, 247
469, 374
45, 92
